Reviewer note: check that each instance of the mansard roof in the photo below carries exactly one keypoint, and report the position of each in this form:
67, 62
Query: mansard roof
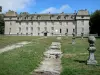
48, 16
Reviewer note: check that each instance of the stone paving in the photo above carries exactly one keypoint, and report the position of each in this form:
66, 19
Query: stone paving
51, 65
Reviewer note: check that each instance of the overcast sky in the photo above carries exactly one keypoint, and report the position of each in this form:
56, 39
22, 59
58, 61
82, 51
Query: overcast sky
53, 6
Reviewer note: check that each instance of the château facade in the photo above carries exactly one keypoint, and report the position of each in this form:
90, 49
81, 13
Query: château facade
62, 24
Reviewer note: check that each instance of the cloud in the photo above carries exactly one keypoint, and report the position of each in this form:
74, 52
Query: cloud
57, 10
15, 4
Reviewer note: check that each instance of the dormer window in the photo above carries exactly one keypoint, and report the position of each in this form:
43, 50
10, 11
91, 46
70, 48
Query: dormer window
25, 18
38, 17
18, 18
32, 17
58, 17
72, 17
65, 16
82, 16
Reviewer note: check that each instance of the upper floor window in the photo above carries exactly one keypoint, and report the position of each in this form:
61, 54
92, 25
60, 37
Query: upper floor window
38, 28
82, 22
27, 28
10, 23
19, 29
45, 28
82, 29
10, 18
27, 23
66, 23
38, 23
32, 23
52, 23
31, 28
19, 23
52, 28
45, 23
60, 23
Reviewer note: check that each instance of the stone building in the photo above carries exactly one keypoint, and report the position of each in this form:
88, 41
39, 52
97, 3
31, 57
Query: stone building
62, 24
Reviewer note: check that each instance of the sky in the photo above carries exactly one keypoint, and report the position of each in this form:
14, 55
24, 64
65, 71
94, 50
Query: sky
52, 6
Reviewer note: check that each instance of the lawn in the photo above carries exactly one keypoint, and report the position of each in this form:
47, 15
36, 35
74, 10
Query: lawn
75, 56
8, 40
22, 61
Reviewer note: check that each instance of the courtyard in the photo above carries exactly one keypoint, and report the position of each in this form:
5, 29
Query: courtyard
25, 59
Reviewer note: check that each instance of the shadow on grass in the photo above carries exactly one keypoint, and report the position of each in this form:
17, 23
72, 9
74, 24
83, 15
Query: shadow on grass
80, 61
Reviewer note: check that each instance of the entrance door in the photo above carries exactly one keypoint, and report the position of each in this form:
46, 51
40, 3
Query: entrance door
45, 34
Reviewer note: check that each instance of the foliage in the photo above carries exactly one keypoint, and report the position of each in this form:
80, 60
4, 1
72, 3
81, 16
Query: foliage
95, 23
1, 24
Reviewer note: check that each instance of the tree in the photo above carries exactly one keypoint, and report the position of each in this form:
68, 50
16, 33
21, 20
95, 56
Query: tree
1, 24
95, 23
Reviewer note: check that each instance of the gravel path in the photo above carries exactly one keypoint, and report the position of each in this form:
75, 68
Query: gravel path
51, 65
11, 47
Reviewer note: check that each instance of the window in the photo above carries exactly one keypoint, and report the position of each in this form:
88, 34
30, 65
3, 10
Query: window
82, 16
31, 33
38, 28
52, 28
26, 33
66, 23
9, 30
10, 23
10, 18
73, 30
27, 23
32, 23
31, 28
52, 34
21, 33
60, 23
82, 29
18, 18
52, 23
66, 30
38, 33
82, 22
19, 29
60, 30
45, 23
27, 28
38, 23
19, 23
45, 28
59, 17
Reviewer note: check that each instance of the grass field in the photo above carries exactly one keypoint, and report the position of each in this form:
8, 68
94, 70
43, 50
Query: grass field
22, 61
8, 40
75, 56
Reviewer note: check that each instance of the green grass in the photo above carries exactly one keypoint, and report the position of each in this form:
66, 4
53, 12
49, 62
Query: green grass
75, 56
22, 61
8, 40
